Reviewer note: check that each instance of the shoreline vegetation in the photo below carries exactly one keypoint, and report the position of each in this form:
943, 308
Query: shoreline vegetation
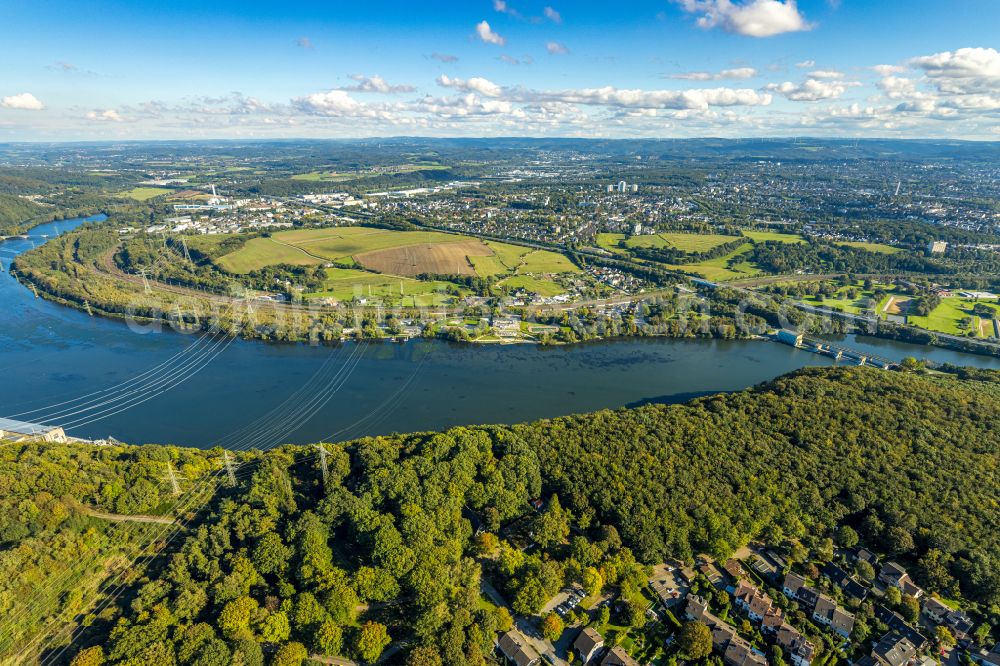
81, 270
384, 544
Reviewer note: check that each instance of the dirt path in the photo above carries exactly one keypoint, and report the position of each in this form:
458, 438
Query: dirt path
120, 518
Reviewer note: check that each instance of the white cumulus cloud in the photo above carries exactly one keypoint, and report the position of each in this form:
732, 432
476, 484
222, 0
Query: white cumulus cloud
486, 34
811, 90
555, 48
752, 18
552, 15
966, 70
23, 101
376, 84
105, 115
476, 84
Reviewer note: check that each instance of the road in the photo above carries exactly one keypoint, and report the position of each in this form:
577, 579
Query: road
526, 628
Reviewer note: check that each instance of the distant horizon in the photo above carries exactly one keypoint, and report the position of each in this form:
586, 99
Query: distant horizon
416, 137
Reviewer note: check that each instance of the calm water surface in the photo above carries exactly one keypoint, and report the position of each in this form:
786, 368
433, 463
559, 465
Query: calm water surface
261, 395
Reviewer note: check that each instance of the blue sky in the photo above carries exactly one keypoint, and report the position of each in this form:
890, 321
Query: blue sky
181, 69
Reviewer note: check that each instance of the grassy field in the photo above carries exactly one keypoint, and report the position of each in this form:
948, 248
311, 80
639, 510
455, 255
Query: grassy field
718, 270
872, 247
543, 261
313, 246
609, 242
509, 255
344, 284
864, 302
488, 266
145, 193
207, 244
395, 257
540, 286
764, 236
260, 252
685, 242
945, 318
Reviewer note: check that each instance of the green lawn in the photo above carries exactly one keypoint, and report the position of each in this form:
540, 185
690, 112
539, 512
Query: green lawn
718, 269
323, 176
146, 193
945, 317
488, 266
343, 284
682, 241
260, 252
509, 255
764, 236
540, 286
872, 247
543, 261
864, 301
610, 242
306, 247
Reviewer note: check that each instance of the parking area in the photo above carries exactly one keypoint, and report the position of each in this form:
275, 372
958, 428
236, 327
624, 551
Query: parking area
566, 600
668, 585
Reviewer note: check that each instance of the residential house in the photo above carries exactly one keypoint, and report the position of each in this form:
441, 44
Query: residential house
893, 650
735, 650
961, 625
798, 648
893, 575
734, 569
793, 583
935, 610
845, 581
827, 613
588, 644
896, 623
722, 633
752, 601
616, 656
766, 569
712, 573
772, 620
738, 652
866, 555
517, 651
984, 658
807, 597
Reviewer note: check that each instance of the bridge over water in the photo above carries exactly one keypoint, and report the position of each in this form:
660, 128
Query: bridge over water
835, 351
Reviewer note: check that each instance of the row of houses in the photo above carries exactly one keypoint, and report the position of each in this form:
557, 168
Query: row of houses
759, 607
735, 650
824, 609
589, 645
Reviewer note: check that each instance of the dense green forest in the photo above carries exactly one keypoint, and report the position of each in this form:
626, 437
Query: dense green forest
14, 211
386, 553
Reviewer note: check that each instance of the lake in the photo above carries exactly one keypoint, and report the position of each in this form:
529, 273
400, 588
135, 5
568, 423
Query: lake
62, 367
